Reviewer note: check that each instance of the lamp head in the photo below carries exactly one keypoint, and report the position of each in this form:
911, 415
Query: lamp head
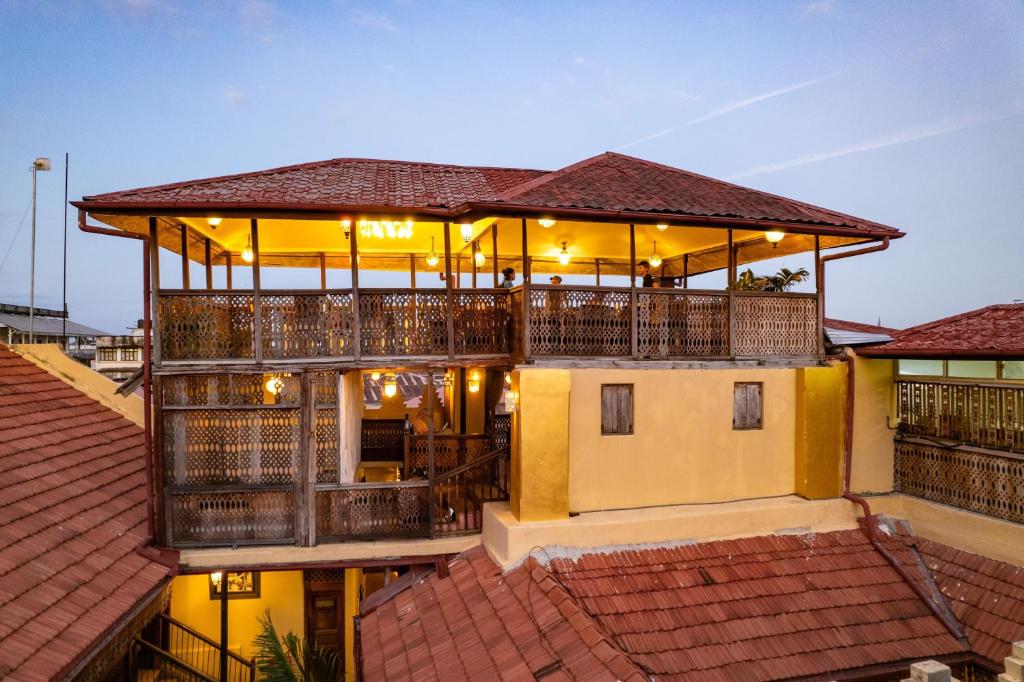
41, 164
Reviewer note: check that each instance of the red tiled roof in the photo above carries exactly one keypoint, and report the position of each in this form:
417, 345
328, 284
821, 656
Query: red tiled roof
849, 326
338, 182
987, 597
615, 182
72, 512
763, 608
608, 182
995, 331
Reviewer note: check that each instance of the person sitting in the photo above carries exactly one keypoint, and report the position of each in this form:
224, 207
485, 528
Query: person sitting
508, 276
643, 268
555, 280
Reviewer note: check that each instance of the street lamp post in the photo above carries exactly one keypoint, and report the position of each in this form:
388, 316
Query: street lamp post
40, 164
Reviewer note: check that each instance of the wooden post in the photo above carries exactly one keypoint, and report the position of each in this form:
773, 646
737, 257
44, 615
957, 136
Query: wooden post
154, 268
526, 295
357, 332
184, 258
686, 271
412, 270
458, 270
227, 264
224, 625
430, 441
494, 253
208, 254
731, 263
472, 261
323, 270
634, 327
449, 295
257, 305
597, 271
305, 484
819, 285
730, 282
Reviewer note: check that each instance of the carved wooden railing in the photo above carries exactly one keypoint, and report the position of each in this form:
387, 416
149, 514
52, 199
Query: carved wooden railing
989, 416
981, 481
403, 322
450, 451
363, 511
772, 324
382, 440
460, 493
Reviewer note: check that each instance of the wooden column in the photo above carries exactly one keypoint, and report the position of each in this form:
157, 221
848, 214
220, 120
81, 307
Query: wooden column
305, 483
458, 271
323, 270
730, 283
257, 305
430, 438
731, 263
412, 270
357, 332
526, 295
634, 327
597, 271
208, 255
494, 253
819, 285
686, 271
472, 261
184, 258
449, 295
224, 625
227, 268
154, 269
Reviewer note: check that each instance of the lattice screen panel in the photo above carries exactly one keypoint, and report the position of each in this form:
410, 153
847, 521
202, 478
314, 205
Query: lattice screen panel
985, 483
324, 575
450, 451
382, 440
327, 445
247, 517
385, 510
988, 416
680, 324
775, 325
227, 389
255, 446
206, 326
515, 302
481, 322
579, 322
307, 325
404, 322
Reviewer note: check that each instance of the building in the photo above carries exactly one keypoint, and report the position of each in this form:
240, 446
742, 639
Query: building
599, 413
47, 326
119, 357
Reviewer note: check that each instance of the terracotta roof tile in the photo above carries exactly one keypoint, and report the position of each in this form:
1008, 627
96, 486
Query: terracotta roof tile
71, 515
995, 331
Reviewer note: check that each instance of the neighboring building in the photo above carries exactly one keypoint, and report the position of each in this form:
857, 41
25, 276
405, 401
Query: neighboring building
119, 357
47, 326
648, 429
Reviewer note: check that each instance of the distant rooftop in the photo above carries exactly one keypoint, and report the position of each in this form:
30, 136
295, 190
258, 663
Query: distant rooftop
46, 321
996, 331
846, 333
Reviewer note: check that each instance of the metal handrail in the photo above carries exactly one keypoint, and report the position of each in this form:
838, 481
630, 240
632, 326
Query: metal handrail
462, 468
198, 635
157, 651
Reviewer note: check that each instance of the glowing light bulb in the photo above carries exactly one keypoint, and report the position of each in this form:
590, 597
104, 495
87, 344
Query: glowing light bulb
432, 259
247, 254
346, 226
654, 259
546, 223
390, 386
374, 375
213, 221
563, 255
479, 258
467, 231
473, 383
774, 236
274, 385
661, 227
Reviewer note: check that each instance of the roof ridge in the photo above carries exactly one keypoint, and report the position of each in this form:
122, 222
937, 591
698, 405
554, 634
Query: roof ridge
549, 176
308, 165
924, 326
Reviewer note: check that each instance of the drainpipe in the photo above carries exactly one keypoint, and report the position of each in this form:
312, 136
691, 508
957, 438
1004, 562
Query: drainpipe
950, 623
147, 384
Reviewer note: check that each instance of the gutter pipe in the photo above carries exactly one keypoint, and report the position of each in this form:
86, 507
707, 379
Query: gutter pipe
147, 379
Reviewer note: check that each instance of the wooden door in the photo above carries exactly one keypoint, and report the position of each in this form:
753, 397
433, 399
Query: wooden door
325, 615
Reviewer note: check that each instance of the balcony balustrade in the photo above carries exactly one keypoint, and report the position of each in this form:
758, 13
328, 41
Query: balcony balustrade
530, 322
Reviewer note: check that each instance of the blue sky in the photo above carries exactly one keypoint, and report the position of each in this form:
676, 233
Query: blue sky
911, 114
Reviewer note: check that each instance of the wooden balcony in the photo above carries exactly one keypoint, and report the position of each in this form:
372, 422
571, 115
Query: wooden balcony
521, 324
961, 444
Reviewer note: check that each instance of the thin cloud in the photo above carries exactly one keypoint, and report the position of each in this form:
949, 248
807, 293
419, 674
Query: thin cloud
901, 137
820, 7
660, 133
373, 20
235, 97
728, 108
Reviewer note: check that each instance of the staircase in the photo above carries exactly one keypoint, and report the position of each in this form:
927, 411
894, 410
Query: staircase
184, 655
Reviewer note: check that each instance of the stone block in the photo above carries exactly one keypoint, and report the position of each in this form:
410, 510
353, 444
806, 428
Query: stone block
1014, 667
930, 671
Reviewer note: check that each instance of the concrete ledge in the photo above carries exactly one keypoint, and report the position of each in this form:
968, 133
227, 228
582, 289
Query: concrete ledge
50, 357
242, 557
508, 541
971, 532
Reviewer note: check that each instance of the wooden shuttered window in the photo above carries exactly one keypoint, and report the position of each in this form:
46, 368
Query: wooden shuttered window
746, 406
616, 409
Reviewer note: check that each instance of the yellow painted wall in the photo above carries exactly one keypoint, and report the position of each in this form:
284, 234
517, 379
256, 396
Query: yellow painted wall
353, 579
540, 445
475, 403
280, 591
873, 449
683, 448
820, 425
